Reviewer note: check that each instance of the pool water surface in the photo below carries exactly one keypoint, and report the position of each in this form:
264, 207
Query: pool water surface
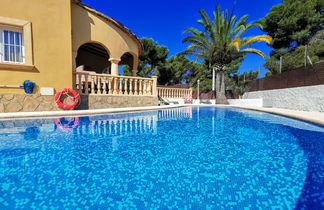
182, 158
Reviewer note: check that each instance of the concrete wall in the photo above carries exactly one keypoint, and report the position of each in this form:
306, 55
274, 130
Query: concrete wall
246, 102
308, 98
51, 44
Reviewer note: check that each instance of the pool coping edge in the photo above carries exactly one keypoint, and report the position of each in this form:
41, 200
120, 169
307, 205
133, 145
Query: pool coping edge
315, 117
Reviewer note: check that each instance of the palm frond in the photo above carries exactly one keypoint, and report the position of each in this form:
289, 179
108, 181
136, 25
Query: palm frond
260, 38
254, 51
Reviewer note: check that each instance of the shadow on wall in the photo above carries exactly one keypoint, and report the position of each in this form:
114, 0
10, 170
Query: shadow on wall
84, 105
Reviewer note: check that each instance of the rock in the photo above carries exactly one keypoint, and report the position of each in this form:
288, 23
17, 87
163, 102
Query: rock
20, 97
30, 104
45, 106
13, 107
8, 97
2, 108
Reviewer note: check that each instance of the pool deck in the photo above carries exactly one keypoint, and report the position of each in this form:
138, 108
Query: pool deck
315, 117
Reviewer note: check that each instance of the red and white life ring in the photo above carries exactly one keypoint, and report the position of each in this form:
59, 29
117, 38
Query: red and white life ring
68, 92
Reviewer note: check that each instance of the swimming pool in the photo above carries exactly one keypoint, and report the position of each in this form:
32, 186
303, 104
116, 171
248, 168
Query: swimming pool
188, 158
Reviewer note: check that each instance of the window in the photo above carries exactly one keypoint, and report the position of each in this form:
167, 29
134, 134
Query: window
11, 46
16, 46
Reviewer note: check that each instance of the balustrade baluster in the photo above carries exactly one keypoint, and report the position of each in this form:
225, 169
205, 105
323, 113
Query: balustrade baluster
104, 88
99, 81
150, 84
131, 87
144, 87
126, 86
115, 85
140, 88
109, 85
86, 84
92, 91
78, 83
135, 87
120, 86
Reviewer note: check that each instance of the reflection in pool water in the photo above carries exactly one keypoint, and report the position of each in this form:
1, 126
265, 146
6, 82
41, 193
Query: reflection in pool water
67, 124
191, 158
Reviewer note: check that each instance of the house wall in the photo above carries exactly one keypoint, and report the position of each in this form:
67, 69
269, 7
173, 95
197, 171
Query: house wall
51, 44
87, 28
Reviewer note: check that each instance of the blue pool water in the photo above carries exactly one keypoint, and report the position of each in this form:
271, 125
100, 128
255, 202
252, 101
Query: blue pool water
184, 158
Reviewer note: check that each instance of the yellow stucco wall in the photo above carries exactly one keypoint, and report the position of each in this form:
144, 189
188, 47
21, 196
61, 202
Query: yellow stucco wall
58, 29
51, 39
87, 27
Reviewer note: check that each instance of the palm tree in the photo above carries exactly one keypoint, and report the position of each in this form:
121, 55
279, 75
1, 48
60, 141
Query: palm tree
221, 43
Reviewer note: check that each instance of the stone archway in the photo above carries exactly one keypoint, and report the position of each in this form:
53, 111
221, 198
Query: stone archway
93, 57
131, 61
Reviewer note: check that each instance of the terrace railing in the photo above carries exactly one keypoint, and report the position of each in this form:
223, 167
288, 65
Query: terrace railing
166, 92
106, 84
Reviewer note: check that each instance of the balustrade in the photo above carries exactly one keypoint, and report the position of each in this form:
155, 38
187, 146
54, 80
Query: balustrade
105, 84
166, 92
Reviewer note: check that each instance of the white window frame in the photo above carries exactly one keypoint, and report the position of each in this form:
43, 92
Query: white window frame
26, 27
13, 29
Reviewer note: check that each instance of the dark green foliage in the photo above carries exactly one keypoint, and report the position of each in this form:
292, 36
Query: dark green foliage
200, 71
174, 69
152, 57
127, 71
238, 82
293, 25
295, 57
293, 22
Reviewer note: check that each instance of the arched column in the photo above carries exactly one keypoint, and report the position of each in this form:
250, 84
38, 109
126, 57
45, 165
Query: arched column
74, 56
114, 66
74, 66
135, 67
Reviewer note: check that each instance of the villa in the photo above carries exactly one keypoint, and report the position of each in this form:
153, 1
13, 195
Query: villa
66, 44
153, 142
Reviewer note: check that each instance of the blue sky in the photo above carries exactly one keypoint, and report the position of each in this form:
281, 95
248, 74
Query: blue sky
165, 20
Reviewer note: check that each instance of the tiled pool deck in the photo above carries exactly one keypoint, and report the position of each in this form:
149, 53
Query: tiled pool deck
315, 117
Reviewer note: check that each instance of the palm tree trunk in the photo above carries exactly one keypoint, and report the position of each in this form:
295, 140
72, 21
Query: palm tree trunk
220, 88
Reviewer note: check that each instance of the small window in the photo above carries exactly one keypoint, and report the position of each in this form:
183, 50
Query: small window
11, 46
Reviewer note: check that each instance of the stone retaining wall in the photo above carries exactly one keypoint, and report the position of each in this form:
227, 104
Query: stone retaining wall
26, 103
36, 102
101, 102
309, 98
